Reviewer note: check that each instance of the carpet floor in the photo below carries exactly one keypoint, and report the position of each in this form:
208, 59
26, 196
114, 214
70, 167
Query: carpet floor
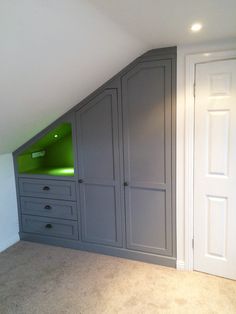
40, 279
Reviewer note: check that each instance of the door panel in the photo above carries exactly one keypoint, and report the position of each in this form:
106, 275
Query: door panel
100, 216
218, 132
214, 169
146, 92
216, 221
96, 127
98, 153
144, 223
146, 114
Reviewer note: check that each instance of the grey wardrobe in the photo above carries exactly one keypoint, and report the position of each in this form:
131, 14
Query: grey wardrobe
122, 193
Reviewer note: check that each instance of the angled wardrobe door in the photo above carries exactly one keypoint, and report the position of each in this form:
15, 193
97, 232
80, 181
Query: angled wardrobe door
98, 164
146, 93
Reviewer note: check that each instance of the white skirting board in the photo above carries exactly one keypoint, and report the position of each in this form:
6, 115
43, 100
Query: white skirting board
180, 265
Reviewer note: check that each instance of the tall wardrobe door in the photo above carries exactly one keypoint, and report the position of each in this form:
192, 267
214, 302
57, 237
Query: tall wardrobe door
97, 133
146, 92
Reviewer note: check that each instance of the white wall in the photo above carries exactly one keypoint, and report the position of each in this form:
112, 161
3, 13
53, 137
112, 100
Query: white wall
183, 51
8, 206
52, 55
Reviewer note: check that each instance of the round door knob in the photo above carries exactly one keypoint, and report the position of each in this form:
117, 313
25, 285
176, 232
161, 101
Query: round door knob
47, 207
126, 183
81, 181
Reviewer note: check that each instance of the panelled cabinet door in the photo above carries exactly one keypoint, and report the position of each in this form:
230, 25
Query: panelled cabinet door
97, 133
146, 93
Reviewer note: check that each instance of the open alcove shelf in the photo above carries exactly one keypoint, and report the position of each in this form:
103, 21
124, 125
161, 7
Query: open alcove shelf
50, 155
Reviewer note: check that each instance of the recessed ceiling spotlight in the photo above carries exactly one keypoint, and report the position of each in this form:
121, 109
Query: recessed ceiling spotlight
196, 27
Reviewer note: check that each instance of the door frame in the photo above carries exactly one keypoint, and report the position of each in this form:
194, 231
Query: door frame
190, 67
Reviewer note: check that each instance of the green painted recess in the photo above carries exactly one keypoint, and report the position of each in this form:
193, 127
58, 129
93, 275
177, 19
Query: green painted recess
50, 155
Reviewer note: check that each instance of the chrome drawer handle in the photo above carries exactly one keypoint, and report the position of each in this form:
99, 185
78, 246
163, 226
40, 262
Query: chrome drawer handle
47, 207
46, 188
48, 226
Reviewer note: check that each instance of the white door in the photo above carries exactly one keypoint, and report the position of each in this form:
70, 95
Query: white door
215, 168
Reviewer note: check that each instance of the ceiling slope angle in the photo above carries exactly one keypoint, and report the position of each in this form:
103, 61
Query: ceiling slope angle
52, 55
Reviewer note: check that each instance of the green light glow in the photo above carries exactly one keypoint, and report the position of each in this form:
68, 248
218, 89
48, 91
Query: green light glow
56, 135
61, 171
65, 171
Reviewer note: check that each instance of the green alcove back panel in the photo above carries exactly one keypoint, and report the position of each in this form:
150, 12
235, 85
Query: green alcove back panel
58, 159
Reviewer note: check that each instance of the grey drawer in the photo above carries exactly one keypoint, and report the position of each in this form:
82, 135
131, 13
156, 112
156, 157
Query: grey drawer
50, 227
63, 190
48, 208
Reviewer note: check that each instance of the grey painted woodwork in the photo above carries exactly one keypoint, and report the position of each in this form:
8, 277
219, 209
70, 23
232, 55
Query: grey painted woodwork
124, 132
97, 133
146, 92
50, 226
48, 208
54, 189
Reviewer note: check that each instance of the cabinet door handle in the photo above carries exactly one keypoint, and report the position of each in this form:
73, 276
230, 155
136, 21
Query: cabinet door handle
126, 183
81, 180
48, 226
46, 188
47, 207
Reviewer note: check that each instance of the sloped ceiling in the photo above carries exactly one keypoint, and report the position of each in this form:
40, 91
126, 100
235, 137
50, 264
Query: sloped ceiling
167, 22
53, 53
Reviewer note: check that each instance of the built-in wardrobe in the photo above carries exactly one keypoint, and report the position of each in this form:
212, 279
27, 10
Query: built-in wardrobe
102, 177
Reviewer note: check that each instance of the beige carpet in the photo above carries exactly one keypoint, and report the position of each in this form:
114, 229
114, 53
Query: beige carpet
41, 279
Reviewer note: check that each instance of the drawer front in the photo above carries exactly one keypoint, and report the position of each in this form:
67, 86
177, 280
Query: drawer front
50, 226
48, 208
63, 190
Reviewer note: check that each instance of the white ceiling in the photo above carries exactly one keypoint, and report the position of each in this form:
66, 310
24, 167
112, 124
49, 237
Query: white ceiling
167, 22
54, 53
